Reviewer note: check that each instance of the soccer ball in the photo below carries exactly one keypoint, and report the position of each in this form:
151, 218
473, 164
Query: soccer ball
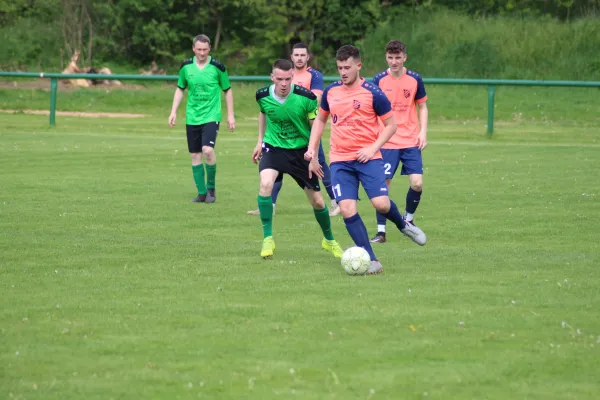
356, 261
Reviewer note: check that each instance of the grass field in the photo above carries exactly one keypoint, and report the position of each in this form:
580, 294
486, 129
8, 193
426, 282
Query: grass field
115, 286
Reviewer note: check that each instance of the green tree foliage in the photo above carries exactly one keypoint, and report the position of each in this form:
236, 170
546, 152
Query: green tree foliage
249, 34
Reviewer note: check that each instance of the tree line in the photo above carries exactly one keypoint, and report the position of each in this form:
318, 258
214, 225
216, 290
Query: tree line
246, 34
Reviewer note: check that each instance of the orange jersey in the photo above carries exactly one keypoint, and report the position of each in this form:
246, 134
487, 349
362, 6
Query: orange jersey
355, 115
310, 79
404, 93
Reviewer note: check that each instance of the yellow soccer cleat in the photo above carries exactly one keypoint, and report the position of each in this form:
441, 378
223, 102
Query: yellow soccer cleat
268, 247
332, 246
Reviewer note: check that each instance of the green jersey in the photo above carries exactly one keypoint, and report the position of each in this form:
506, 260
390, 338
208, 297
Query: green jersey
288, 124
204, 90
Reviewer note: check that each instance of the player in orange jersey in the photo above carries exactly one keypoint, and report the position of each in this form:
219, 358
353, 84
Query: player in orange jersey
356, 107
405, 90
312, 80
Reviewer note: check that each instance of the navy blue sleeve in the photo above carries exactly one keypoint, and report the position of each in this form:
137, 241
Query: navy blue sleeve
381, 104
324, 102
316, 83
420, 89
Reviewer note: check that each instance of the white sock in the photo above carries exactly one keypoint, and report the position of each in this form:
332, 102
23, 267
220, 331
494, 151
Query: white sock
408, 217
381, 228
333, 203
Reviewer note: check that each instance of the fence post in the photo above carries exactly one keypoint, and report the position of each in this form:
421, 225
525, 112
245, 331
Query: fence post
53, 87
490, 124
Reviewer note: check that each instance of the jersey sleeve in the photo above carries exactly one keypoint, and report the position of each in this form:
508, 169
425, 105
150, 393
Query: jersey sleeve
420, 96
381, 105
312, 108
324, 109
224, 81
376, 79
316, 82
182, 81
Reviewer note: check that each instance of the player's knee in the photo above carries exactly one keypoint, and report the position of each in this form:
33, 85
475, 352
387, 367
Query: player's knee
208, 152
347, 208
266, 187
381, 204
416, 184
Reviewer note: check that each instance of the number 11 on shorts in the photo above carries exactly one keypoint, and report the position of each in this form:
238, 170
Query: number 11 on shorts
337, 191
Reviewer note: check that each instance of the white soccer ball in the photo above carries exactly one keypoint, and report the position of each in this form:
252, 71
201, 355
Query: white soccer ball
356, 261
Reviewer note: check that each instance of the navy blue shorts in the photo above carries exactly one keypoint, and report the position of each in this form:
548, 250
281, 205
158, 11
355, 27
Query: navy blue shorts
346, 175
412, 162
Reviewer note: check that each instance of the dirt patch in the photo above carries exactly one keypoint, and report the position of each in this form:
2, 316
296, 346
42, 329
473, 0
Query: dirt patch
77, 114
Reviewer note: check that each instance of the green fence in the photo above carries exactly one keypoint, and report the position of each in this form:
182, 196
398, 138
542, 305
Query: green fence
490, 83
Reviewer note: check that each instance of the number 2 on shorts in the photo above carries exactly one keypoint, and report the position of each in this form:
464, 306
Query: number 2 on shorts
387, 166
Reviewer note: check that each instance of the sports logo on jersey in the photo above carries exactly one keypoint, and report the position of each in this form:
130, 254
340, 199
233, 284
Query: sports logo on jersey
406, 93
334, 118
356, 104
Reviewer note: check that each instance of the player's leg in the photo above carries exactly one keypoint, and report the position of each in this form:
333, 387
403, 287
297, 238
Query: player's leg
412, 165
374, 184
413, 196
345, 188
194, 140
209, 139
276, 188
334, 209
322, 216
391, 160
265, 206
297, 168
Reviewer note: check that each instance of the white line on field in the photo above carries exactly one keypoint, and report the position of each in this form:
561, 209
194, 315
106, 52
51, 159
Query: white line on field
222, 137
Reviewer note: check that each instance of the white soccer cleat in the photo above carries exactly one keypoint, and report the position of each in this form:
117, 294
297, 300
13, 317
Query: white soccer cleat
334, 210
414, 233
375, 268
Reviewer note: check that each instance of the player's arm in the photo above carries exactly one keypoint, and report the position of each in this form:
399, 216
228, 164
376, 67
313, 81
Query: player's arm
230, 113
389, 130
226, 87
423, 121
316, 132
421, 100
178, 96
262, 127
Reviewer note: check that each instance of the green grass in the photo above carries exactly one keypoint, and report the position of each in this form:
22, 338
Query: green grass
115, 286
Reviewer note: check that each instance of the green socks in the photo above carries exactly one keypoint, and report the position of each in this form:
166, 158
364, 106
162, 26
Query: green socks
198, 171
324, 222
211, 173
265, 206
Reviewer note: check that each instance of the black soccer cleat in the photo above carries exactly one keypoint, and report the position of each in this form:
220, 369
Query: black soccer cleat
210, 196
379, 238
201, 198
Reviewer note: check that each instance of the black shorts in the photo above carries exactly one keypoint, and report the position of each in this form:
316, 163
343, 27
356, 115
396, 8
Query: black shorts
201, 135
290, 162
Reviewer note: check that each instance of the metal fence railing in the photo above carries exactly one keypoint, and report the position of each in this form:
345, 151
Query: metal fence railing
490, 83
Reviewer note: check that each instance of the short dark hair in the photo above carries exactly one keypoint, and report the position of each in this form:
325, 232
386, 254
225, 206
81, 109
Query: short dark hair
282, 64
202, 39
395, 47
346, 52
300, 45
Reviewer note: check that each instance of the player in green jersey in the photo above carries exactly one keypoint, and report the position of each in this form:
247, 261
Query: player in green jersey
204, 77
283, 133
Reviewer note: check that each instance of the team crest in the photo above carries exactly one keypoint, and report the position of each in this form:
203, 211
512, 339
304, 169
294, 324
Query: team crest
406, 93
356, 104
